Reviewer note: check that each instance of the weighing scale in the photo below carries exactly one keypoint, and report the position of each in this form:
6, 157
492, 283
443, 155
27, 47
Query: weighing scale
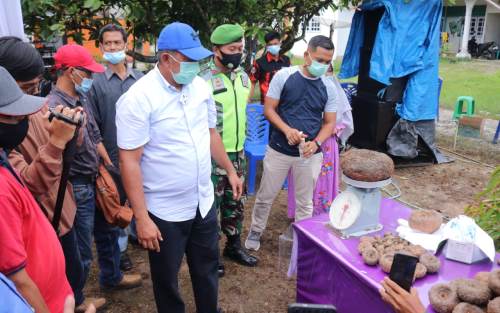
355, 212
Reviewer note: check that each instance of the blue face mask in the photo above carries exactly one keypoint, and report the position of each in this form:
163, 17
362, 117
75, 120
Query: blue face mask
114, 57
84, 85
274, 49
317, 69
187, 72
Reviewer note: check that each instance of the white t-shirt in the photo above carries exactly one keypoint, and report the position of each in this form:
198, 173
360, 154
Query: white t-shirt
173, 126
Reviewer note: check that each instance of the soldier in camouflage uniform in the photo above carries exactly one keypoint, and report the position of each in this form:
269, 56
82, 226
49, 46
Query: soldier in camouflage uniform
231, 87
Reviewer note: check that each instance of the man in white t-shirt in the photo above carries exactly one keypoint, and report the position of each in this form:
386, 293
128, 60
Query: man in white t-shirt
166, 135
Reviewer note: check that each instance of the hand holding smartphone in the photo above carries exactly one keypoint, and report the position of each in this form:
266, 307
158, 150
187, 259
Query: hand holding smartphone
403, 270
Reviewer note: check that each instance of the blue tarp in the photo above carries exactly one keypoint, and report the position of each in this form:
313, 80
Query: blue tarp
407, 43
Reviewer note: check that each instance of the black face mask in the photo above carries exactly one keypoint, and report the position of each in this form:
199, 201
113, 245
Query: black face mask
231, 61
11, 135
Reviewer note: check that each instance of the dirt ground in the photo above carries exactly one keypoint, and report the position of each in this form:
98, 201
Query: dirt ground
448, 188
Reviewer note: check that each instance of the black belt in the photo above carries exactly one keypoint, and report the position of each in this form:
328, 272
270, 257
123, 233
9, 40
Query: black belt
82, 180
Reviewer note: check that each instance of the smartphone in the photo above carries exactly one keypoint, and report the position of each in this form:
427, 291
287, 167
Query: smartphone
311, 308
403, 270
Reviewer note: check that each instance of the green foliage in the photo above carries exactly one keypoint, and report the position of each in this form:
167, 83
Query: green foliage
50, 19
486, 209
146, 18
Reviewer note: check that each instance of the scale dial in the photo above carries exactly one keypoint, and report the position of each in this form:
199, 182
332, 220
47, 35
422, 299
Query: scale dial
345, 210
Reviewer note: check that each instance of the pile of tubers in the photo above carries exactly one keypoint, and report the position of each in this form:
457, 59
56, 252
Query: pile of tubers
481, 294
381, 249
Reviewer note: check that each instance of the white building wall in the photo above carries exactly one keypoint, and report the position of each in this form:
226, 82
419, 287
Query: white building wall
492, 30
342, 20
454, 40
492, 25
341, 34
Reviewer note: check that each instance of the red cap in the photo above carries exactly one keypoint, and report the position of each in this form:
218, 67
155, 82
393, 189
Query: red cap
73, 55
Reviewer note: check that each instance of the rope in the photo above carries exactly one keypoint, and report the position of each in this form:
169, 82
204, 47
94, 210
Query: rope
393, 196
466, 158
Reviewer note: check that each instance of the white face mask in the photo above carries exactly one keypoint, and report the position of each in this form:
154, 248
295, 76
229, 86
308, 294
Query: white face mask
114, 57
274, 49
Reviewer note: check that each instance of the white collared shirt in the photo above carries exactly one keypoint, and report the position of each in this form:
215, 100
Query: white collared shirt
173, 126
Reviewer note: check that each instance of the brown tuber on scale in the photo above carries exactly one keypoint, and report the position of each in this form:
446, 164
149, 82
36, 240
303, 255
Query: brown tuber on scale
473, 291
494, 282
443, 298
366, 165
431, 262
425, 221
370, 256
493, 306
464, 307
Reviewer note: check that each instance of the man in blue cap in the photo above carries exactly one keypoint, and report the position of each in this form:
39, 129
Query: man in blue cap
166, 135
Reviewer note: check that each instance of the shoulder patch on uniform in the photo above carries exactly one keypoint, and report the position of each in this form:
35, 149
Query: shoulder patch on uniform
245, 81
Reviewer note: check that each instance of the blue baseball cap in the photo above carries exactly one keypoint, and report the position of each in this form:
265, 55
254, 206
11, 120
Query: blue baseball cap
182, 38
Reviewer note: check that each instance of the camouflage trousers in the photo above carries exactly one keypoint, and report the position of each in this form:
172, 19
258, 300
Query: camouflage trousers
230, 211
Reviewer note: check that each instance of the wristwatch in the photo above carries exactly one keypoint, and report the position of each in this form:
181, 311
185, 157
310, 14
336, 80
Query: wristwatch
318, 143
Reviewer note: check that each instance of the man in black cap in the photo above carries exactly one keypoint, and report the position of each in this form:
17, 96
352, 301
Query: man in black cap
23, 63
31, 255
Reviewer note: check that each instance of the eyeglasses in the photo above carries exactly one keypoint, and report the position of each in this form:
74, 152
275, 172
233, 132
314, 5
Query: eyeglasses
31, 87
87, 72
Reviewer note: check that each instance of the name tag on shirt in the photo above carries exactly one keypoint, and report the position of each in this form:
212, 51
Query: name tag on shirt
245, 81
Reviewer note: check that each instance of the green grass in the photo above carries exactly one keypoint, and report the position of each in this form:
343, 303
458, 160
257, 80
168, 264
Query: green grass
479, 79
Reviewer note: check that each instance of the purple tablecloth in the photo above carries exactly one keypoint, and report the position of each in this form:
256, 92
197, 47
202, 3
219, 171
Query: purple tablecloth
330, 270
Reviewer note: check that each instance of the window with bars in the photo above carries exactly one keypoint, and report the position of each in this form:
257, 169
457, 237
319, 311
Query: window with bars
476, 26
313, 25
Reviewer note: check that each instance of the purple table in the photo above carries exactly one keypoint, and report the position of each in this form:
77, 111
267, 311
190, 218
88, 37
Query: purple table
330, 270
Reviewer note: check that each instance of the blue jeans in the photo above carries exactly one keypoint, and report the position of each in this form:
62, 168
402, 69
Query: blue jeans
129, 231
90, 221
123, 239
133, 230
74, 265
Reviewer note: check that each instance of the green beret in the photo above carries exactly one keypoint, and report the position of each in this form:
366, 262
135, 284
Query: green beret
226, 33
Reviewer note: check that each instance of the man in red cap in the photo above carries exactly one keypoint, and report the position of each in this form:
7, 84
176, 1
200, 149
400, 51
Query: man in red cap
75, 66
